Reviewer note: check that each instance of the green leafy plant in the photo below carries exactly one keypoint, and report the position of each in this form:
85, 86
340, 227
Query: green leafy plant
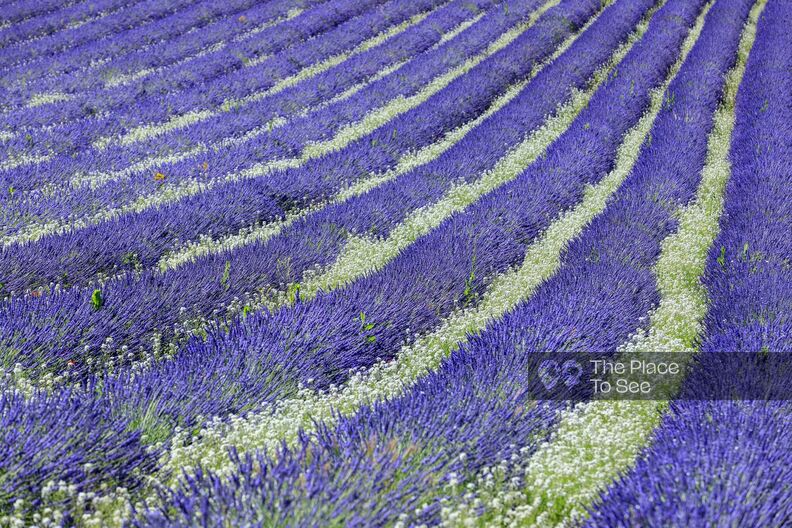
293, 293
226, 275
367, 327
469, 293
97, 301
132, 260
669, 100
722, 257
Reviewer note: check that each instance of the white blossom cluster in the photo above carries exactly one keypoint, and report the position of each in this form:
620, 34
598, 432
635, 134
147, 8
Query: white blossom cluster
92, 510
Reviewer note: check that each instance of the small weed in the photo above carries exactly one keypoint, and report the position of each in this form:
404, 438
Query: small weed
470, 6
469, 294
132, 260
722, 257
226, 275
764, 353
669, 100
293, 293
366, 327
96, 299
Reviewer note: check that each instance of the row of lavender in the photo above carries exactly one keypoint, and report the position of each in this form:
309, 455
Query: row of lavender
29, 21
314, 22
128, 33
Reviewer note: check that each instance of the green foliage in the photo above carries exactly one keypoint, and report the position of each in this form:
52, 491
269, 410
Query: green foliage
96, 299
239, 55
722, 257
669, 100
132, 260
367, 327
469, 294
224, 280
470, 6
293, 293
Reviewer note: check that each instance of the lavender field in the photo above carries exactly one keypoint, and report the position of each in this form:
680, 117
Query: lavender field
335, 262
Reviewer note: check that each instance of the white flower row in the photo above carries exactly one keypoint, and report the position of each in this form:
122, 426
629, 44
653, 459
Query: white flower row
46, 98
